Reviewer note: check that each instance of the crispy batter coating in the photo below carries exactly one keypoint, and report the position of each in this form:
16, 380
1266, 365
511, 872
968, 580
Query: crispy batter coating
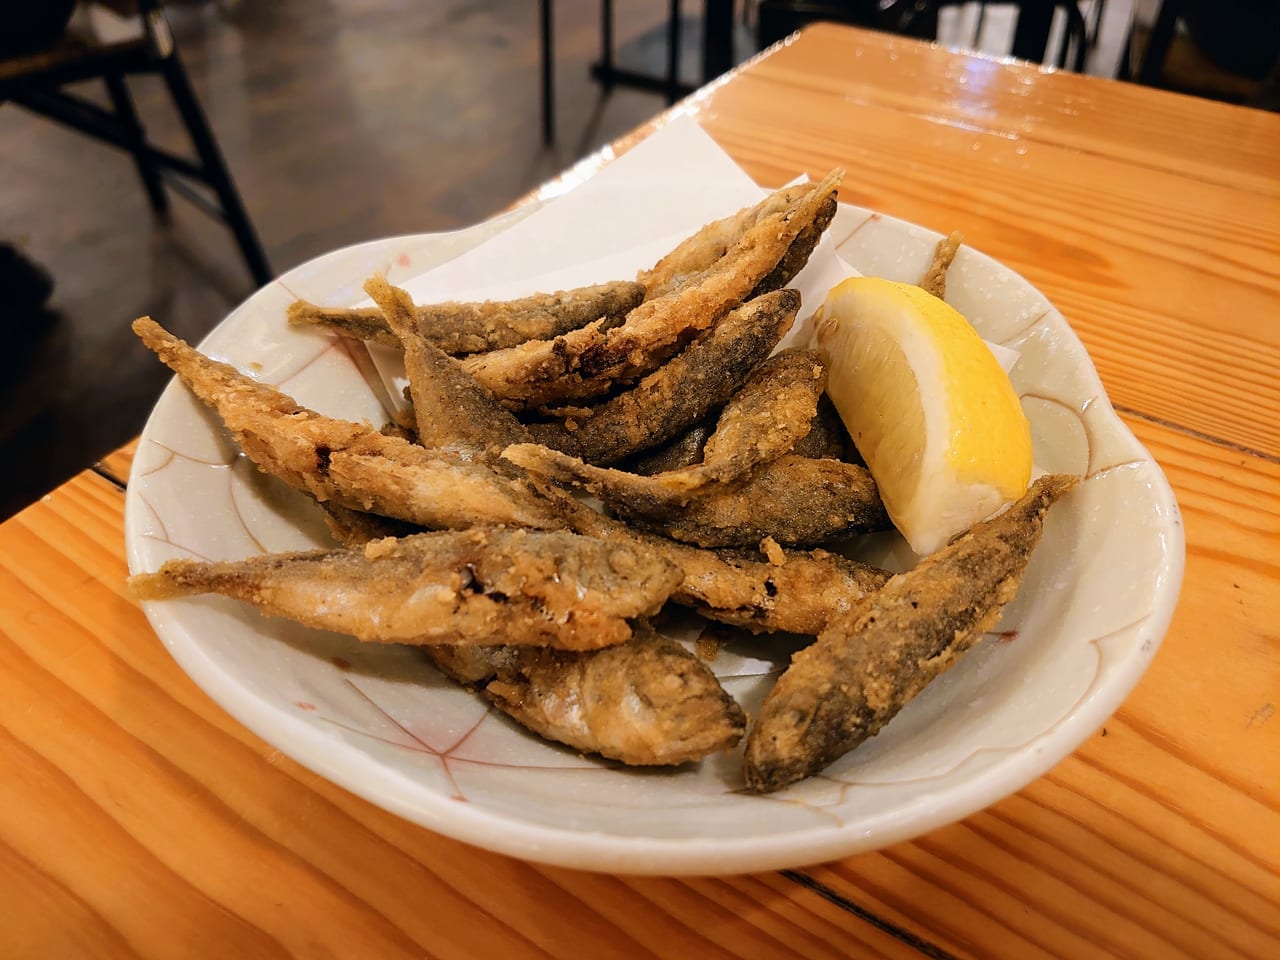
800, 595
451, 411
701, 249
801, 249
527, 587
462, 328
588, 362
828, 438
645, 702
355, 527
870, 661
683, 451
573, 698
935, 278
796, 501
762, 420
793, 501
767, 417
350, 463
683, 390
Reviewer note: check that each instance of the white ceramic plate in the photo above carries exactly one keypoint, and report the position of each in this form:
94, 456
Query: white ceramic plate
380, 722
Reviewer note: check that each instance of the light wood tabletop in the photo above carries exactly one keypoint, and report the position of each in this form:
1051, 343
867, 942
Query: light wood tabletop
138, 819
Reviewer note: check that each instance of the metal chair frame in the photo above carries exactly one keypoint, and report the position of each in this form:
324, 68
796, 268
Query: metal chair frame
1031, 35
606, 71
919, 18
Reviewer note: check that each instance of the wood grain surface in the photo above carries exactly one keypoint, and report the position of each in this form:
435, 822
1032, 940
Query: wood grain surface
137, 819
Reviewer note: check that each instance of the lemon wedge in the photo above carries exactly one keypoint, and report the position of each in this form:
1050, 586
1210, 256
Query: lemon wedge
927, 404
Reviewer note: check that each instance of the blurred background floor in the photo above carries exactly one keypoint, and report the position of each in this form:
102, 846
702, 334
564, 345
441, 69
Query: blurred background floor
341, 121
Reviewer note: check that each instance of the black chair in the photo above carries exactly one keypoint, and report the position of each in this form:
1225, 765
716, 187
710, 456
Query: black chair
1097, 12
605, 70
776, 19
36, 80
1224, 51
919, 18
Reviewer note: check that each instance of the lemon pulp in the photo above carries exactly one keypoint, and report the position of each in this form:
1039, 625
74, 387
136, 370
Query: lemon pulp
927, 404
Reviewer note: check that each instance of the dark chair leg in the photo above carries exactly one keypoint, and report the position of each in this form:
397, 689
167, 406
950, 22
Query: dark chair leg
1162, 34
605, 71
717, 38
137, 141
548, 73
1031, 34
175, 78
1096, 26
673, 53
1124, 69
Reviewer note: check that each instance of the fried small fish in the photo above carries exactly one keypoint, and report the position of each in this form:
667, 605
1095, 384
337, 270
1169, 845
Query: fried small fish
801, 249
553, 589
870, 661
351, 527
464, 328
701, 249
680, 393
934, 280
802, 594
799, 595
772, 412
350, 463
648, 701
795, 501
574, 698
828, 438
588, 362
685, 450
764, 419
709, 243
452, 412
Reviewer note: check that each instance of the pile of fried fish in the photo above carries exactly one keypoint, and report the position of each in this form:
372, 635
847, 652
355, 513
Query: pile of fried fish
723, 471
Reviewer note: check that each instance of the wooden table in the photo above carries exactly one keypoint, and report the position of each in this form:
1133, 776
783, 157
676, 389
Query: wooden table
136, 818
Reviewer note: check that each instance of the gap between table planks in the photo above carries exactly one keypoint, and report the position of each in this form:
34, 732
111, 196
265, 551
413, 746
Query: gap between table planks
1160, 837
